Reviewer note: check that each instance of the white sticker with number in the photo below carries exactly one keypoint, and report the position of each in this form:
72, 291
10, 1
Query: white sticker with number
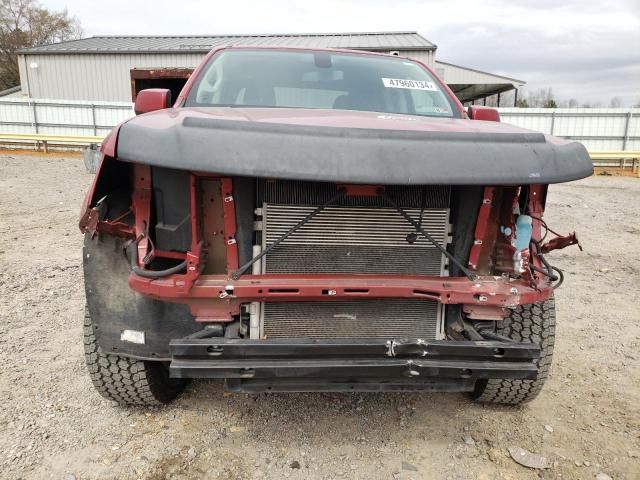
410, 84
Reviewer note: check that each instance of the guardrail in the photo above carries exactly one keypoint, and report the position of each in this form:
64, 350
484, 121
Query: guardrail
617, 159
37, 139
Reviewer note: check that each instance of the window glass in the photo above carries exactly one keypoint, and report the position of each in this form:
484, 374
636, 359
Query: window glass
324, 80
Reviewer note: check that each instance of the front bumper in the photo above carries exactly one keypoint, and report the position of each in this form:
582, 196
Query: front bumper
350, 364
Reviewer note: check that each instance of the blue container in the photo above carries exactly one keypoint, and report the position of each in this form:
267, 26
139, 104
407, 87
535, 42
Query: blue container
524, 230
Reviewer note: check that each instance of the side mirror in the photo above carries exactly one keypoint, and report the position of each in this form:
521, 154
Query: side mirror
483, 113
152, 99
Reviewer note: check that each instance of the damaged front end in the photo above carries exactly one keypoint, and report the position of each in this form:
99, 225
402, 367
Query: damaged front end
297, 285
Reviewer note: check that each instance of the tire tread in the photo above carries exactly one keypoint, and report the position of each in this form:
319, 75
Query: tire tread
125, 380
535, 323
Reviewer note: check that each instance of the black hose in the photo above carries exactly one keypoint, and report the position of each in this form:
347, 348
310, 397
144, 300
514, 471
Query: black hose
559, 278
561, 275
133, 259
551, 276
547, 265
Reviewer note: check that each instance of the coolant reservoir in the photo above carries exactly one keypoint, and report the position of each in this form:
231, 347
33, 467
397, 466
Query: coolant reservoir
523, 232
523, 238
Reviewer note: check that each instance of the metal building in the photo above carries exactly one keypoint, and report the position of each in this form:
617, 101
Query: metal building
115, 68
469, 84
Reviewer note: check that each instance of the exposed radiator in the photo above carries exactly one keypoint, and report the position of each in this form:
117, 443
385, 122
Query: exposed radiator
352, 240
359, 235
390, 319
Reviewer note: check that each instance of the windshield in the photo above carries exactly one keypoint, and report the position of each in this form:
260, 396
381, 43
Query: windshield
328, 80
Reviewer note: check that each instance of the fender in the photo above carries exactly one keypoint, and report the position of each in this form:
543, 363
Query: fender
108, 153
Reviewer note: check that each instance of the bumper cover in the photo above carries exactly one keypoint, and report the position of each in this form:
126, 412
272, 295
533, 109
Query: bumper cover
476, 153
350, 364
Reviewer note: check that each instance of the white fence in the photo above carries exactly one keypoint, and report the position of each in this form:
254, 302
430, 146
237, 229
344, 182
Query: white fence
61, 117
598, 128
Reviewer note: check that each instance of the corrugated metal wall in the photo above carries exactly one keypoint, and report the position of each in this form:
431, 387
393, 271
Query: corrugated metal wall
425, 56
106, 77
597, 128
103, 77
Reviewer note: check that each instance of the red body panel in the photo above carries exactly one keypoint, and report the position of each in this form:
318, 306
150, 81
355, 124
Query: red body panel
107, 149
228, 205
152, 99
483, 113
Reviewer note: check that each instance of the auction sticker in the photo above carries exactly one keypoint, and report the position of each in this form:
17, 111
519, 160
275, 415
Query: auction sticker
410, 84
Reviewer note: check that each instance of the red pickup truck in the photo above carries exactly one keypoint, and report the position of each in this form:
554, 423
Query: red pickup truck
321, 220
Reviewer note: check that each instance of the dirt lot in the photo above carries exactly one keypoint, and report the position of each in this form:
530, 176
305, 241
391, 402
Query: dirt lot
53, 424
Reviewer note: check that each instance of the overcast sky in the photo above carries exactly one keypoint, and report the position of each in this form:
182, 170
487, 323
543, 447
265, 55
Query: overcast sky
583, 49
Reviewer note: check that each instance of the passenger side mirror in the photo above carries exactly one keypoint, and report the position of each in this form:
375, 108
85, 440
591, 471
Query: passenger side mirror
483, 113
152, 99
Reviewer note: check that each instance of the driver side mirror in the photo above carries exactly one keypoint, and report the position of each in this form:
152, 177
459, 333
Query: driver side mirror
483, 113
152, 99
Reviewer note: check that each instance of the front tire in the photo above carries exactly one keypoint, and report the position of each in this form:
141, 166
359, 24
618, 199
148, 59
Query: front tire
535, 323
128, 381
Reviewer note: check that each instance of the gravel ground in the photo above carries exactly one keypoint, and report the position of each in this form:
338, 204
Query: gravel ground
53, 424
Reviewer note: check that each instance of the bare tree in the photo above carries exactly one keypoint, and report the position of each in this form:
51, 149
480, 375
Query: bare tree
507, 98
492, 101
543, 97
591, 105
547, 98
616, 102
25, 23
